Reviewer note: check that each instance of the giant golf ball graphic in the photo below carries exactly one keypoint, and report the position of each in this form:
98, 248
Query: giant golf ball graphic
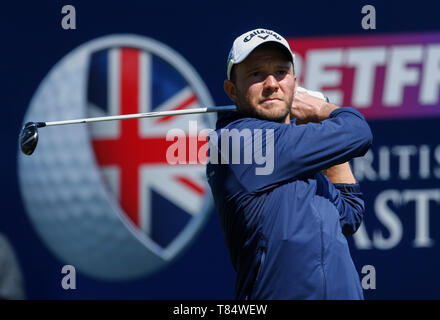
62, 187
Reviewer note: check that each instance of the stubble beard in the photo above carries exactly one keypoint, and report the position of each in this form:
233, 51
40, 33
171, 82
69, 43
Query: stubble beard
245, 107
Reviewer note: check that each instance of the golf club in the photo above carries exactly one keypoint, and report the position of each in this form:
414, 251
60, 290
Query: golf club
29, 132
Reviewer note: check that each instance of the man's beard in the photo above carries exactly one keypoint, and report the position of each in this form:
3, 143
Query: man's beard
245, 108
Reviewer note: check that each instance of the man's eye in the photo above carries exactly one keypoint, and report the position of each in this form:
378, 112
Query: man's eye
255, 73
282, 72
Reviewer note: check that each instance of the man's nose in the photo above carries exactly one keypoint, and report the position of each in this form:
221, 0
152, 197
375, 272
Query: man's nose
271, 83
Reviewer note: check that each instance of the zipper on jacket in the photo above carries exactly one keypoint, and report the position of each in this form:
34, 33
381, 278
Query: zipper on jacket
322, 257
321, 230
259, 273
260, 268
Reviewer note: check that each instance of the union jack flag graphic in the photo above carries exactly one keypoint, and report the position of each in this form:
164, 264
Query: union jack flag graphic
158, 198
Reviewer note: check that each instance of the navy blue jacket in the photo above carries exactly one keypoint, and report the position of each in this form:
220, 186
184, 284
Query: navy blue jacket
286, 231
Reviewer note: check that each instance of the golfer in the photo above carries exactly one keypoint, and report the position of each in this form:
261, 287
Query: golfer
286, 228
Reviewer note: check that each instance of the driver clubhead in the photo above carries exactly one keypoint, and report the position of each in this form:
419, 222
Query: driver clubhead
29, 138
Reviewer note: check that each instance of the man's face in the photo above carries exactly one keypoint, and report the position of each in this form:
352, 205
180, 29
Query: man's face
264, 84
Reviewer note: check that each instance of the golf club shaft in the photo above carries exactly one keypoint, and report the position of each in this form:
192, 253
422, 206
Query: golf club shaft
138, 115
159, 113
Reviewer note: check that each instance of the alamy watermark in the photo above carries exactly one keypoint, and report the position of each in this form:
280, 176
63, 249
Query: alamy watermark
69, 280
369, 280
369, 20
244, 146
69, 19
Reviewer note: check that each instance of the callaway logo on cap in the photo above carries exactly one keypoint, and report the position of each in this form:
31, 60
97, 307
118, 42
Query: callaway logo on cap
248, 41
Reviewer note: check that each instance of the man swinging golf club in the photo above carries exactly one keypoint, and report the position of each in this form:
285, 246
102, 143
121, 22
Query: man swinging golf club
286, 231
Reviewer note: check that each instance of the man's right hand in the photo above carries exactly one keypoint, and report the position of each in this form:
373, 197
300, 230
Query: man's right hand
307, 108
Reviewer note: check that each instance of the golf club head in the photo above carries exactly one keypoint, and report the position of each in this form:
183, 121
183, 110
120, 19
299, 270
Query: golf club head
29, 138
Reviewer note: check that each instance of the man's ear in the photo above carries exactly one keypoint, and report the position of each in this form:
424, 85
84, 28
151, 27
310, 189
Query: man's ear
295, 83
230, 90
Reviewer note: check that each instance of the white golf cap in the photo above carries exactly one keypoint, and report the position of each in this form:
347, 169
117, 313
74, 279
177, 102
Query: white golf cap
248, 41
